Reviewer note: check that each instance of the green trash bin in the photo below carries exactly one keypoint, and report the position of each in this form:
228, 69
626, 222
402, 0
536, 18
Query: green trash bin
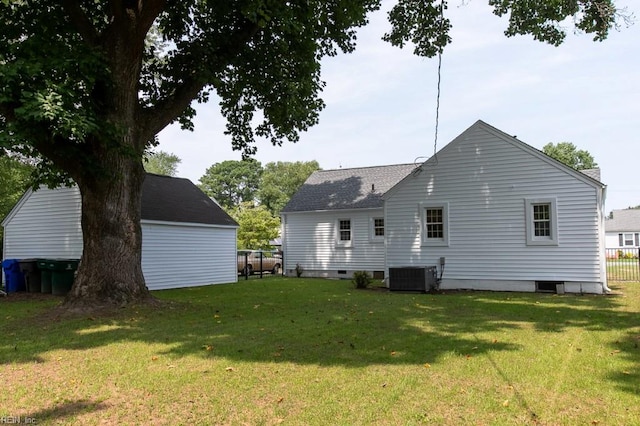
56, 275
62, 275
45, 266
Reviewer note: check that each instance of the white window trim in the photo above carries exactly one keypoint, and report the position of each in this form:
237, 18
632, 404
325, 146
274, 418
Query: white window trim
624, 239
372, 230
340, 243
434, 242
532, 240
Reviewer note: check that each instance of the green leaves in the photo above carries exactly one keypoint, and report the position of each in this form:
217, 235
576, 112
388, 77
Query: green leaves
568, 154
545, 20
257, 226
422, 23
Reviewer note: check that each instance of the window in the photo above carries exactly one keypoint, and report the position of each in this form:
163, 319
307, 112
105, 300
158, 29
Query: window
628, 239
542, 220
541, 217
435, 224
344, 237
376, 229
345, 229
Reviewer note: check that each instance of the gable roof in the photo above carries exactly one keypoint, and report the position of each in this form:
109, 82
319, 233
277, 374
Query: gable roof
339, 189
587, 176
171, 199
167, 199
627, 220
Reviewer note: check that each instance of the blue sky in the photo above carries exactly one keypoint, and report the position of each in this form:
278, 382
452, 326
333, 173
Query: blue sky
381, 101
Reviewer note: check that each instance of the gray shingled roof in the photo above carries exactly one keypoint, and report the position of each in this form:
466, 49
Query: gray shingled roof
339, 189
171, 199
592, 173
627, 220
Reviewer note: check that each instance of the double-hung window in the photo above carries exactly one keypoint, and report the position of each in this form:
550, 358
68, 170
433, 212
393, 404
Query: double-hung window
434, 224
541, 221
344, 235
376, 229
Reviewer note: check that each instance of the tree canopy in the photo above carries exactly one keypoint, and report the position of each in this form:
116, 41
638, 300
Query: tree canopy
85, 87
232, 182
161, 163
567, 153
257, 226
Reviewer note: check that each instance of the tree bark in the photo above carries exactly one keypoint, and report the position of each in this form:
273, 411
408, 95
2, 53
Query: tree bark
110, 272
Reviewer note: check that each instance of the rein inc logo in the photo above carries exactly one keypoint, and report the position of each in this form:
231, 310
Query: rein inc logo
17, 420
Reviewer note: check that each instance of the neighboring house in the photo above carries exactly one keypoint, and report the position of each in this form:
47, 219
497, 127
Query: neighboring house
334, 224
623, 229
500, 214
187, 239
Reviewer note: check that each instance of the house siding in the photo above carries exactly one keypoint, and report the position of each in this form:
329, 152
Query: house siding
46, 224
309, 239
485, 181
187, 256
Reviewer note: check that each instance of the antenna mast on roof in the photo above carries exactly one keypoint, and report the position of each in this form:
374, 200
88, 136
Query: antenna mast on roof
435, 142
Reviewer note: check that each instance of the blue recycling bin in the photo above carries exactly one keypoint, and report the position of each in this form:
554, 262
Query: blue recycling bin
14, 278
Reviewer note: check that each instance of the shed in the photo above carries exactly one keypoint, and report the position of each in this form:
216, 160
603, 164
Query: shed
187, 238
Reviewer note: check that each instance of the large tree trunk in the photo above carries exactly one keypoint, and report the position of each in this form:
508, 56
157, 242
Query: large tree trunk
110, 272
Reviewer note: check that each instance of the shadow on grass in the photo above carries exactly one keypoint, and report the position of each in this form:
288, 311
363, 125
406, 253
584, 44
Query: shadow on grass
62, 411
325, 323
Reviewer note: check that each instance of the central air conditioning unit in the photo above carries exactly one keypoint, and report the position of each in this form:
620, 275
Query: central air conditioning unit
413, 278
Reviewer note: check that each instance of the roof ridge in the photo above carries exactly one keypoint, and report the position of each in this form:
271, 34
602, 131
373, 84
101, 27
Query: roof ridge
368, 167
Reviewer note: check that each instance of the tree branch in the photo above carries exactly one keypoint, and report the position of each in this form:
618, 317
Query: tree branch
81, 22
167, 110
7, 111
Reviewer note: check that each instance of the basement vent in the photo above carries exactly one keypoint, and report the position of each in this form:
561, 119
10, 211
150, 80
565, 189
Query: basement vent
550, 286
378, 275
342, 272
413, 278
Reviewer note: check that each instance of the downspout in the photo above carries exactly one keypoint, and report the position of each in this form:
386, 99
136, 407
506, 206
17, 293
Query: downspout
601, 196
283, 240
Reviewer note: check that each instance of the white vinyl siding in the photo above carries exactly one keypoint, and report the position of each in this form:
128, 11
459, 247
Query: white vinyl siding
46, 224
187, 255
309, 239
484, 179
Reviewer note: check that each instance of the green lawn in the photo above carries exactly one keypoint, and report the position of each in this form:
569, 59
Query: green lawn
318, 352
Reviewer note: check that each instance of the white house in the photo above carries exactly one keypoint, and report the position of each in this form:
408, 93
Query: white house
487, 212
187, 239
623, 229
334, 224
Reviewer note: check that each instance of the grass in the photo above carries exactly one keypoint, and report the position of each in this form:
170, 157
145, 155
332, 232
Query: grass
316, 352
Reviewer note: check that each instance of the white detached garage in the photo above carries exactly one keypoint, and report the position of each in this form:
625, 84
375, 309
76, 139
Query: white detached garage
187, 239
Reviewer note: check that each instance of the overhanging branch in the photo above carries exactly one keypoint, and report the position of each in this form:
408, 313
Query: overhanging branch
167, 110
81, 22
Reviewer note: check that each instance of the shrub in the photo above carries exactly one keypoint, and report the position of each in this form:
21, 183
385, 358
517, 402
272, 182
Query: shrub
361, 279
